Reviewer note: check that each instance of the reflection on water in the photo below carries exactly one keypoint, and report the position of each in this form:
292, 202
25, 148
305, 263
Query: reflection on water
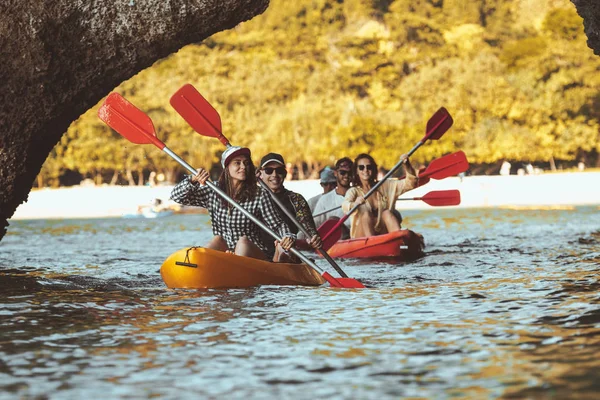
505, 304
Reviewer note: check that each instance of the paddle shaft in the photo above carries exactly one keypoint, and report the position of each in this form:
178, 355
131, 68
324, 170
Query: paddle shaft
327, 211
242, 209
302, 229
423, 198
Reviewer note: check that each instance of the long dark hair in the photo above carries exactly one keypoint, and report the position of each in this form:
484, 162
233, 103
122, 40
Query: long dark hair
248, 188
373, 179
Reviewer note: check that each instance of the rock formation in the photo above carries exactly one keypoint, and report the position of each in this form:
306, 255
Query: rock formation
590, 12
59, 58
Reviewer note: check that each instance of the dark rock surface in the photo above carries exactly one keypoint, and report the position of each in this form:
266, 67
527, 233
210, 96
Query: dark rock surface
590, 11
59, 58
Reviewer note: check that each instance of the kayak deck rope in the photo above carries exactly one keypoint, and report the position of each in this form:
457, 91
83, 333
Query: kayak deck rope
186, 261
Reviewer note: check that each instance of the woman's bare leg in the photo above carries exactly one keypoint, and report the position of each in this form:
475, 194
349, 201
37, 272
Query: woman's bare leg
283, 257
246, 248
391, 221
217, 243
366, 226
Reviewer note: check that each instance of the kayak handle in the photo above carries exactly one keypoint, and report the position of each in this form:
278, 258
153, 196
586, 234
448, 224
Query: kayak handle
186, 264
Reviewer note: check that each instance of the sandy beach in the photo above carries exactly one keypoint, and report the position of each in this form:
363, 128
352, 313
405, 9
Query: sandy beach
528, 191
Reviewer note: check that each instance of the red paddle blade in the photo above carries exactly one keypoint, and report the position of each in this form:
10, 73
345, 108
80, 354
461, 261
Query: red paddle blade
438, 124
423, 181
342, 282
329, 239
332, 281
128, 120
442, 198
198, 112
350, 283
449, 165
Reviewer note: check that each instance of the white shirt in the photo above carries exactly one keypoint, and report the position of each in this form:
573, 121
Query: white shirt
312, 202
327, 202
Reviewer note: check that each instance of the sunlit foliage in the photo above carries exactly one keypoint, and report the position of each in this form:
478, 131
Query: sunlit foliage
320, 79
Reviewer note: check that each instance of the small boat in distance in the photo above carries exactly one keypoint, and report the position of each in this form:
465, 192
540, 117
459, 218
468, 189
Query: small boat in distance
154, 210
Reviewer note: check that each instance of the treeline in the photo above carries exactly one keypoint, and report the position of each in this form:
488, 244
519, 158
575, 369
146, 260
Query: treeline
317, 80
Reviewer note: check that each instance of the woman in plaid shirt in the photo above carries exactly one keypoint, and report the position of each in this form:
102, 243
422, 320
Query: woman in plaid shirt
233, 231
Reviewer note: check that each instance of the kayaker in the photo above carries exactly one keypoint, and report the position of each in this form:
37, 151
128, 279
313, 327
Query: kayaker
377, 215
273, 173
233, 231
327, 182
344, 175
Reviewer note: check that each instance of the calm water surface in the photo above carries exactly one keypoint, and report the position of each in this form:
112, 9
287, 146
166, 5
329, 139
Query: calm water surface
504, 305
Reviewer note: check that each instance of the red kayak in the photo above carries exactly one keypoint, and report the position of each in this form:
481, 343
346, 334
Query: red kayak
403, 245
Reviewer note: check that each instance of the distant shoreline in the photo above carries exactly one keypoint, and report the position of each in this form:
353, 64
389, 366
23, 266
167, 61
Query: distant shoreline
556, 190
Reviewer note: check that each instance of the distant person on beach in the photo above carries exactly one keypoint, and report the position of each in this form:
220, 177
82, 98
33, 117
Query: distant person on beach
529, 169
505, 168
273, 173
376, 215
330, 204
233, 231
327, 182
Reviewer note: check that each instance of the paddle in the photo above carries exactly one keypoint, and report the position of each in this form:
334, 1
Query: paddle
444, 167
438, 198
437, 125
198, 112
333, 238
440, 168
292, 217
137, 127
205, 120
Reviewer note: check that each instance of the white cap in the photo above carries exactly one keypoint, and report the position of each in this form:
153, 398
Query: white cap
231, 152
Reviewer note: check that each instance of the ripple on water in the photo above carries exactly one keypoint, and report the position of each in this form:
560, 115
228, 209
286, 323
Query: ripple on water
502, 305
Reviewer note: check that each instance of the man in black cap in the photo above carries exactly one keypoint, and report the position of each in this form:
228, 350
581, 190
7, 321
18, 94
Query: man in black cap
273, 173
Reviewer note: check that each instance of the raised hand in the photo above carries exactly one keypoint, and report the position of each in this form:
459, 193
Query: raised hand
201, 176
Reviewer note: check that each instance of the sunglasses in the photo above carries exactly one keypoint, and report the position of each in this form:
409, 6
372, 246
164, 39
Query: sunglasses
279, 170
369, 167
343, 172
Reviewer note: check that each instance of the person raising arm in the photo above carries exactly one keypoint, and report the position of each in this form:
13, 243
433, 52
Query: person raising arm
376, 215
233, 231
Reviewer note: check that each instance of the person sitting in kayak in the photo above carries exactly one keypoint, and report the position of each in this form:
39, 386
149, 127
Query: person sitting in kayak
327, 181
273, 173
376, 215
233, 231
344, 175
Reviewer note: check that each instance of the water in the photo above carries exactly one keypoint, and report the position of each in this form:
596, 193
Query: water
504, 305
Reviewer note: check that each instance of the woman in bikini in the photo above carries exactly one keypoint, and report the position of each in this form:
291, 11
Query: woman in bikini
377, 214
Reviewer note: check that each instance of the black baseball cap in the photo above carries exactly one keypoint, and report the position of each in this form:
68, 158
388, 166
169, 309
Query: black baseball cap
272, 157
342, 161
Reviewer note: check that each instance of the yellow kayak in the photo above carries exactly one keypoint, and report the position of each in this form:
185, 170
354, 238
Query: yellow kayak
200, 268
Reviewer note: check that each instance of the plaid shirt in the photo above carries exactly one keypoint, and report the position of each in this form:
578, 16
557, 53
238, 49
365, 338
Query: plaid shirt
299, 208
302, 211
227, 221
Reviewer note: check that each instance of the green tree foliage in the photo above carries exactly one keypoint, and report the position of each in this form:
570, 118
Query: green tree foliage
320, 79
